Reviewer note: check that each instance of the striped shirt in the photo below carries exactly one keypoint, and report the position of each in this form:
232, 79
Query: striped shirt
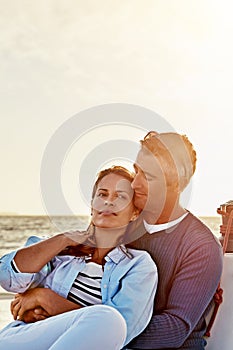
86, 289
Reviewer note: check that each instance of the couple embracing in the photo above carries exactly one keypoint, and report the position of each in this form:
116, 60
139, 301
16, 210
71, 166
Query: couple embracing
142, 276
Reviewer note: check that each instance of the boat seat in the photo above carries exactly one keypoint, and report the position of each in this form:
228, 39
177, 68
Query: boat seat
221, 336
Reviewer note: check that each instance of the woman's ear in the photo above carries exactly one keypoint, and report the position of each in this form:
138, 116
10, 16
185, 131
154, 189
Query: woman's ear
135, 214
91, 207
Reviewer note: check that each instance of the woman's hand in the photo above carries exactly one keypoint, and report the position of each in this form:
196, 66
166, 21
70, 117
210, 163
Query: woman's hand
79, 243
37, 299
37, 314
75, 237
24, 302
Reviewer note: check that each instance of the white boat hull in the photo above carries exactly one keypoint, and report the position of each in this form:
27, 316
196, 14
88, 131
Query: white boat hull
222, 331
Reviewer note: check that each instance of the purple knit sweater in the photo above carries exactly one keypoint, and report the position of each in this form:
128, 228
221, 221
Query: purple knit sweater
189, 261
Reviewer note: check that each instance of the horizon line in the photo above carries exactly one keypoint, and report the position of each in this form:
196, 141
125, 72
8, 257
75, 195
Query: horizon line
72, 215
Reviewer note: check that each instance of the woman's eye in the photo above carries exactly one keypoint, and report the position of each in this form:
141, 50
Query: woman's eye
122, 196
101, 194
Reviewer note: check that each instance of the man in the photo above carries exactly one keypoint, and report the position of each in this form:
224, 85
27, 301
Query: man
188, 256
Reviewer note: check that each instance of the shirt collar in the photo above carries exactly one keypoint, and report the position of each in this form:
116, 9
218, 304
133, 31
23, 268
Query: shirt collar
116, 254
160, 227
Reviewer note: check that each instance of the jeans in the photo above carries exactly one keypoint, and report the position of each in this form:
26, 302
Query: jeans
95, 327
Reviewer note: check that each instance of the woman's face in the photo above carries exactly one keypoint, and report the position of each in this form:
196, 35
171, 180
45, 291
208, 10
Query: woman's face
112, 205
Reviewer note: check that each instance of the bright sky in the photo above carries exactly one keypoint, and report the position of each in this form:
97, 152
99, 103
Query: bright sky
58, 58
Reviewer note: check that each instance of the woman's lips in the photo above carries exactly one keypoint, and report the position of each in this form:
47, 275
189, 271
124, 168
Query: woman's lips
107, 213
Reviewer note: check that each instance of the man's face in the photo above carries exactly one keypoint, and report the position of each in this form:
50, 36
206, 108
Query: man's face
149, 184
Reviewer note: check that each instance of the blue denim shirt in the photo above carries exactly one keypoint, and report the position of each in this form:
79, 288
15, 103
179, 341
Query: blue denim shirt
128, 284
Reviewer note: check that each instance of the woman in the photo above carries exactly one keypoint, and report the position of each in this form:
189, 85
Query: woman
97, 301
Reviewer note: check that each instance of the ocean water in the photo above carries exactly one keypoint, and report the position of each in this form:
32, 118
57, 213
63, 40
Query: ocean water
14, 230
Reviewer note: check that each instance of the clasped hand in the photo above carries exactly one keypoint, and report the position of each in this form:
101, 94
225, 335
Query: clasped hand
25, 306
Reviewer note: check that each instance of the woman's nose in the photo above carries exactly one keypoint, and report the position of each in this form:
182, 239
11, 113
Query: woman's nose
109, 199
108, 203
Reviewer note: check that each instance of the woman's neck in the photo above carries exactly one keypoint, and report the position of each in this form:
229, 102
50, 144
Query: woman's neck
108, 237
99, 255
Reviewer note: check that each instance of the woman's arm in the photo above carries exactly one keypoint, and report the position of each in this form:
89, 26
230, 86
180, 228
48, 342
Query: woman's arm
45, 298
32, 258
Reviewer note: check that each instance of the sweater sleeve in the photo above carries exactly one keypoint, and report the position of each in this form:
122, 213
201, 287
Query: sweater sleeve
191, 292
